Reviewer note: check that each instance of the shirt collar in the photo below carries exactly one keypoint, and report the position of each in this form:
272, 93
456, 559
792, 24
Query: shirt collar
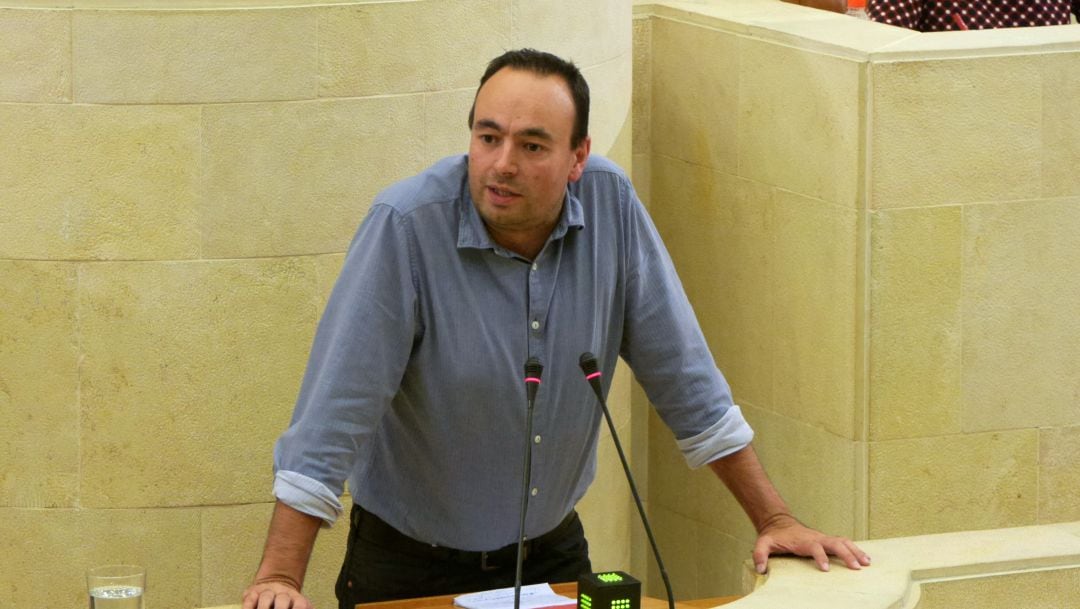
473, 234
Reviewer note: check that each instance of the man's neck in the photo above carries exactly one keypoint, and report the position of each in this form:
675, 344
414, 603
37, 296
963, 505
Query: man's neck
526, 245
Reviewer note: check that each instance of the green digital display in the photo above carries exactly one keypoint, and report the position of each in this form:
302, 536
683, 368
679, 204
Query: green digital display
608, 590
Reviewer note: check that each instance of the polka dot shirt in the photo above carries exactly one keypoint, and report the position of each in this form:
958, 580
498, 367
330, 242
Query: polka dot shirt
939, 15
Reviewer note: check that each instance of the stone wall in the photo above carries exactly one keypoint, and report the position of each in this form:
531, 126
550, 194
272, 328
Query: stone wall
177, 188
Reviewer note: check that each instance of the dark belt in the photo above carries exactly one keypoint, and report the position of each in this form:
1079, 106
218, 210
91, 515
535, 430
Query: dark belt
372, 528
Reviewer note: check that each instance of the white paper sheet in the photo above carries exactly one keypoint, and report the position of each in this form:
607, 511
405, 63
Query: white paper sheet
532, 597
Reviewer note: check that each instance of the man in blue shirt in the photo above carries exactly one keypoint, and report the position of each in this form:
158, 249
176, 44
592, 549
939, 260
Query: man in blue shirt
525, 248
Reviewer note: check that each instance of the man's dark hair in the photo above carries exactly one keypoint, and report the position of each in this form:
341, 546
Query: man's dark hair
545, 64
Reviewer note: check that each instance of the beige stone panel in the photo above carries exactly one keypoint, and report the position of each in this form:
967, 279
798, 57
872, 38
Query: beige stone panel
622, 150
679, 540
587, 33
955, 131
362, 50
99, 182
721, 562
1059, 476
915, 322
39, 457
813, 291
446, 123
814, 471
286, 179
953, 483
47, 552
719, 230
642, 78
1061, 125
35, 52
180, 57
1021, 333
232, 544
671, 481
1051, 589
641, 174
695, 94
610, 121
207, 356
799, 120
697, 495
607, 509
640, 554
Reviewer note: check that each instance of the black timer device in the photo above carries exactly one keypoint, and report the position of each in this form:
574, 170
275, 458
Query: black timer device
609, 590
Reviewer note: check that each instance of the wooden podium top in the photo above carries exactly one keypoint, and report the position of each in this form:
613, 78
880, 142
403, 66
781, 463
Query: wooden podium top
567, 589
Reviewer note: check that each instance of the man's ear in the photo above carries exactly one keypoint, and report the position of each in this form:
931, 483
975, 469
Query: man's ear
581, 156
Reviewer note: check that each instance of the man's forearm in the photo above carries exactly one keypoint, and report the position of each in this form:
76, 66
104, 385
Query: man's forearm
288, 546
744, 476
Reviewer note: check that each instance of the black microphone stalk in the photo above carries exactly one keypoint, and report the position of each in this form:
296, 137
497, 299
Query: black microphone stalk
533, 370
592, 374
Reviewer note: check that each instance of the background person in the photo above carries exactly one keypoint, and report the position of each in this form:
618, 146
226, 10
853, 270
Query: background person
942, 15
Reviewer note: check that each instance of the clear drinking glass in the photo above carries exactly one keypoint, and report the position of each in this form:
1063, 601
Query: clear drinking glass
116, 587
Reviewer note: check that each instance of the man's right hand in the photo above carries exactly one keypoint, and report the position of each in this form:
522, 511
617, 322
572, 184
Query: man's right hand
284, 563
274, 594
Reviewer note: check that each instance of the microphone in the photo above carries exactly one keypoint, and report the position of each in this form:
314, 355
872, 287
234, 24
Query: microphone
533, 370
592, 375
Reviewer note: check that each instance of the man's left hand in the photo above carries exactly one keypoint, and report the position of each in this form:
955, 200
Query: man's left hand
786, 535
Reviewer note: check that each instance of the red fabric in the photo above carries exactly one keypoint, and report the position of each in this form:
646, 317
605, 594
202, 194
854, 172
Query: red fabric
938, 15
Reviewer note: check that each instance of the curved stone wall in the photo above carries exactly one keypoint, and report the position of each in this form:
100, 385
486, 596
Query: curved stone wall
177, 187
876, 227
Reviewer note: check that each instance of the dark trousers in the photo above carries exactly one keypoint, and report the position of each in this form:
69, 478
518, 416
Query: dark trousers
383, 564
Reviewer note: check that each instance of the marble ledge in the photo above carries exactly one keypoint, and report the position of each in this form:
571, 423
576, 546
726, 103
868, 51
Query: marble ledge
901, 565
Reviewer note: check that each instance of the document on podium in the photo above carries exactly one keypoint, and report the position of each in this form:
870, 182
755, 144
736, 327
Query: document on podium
532, 597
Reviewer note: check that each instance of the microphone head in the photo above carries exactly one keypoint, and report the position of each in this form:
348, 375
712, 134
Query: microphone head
533, 368
588, 363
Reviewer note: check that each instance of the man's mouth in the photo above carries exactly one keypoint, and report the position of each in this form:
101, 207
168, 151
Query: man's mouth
502, 193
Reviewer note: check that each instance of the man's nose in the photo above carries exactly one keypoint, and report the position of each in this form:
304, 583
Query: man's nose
506, 159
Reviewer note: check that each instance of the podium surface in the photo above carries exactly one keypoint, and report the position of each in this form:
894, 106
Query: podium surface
566, 589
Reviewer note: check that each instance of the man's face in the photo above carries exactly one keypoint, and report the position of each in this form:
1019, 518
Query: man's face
520, 159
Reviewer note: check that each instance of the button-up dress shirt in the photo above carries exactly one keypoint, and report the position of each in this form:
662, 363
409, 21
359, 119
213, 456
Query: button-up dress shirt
414, 390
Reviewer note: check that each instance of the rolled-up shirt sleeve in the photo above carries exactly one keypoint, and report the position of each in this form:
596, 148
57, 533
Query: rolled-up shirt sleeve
359, 354
729, 434
664, 345
307, 495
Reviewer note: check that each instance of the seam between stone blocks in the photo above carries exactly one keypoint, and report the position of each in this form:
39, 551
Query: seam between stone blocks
79, 359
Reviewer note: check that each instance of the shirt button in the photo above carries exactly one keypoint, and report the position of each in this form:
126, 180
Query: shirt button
535, 491
535, 325
536, 439
534, 266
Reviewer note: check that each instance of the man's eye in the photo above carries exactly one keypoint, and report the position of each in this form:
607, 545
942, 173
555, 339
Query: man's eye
487, 138
533, 147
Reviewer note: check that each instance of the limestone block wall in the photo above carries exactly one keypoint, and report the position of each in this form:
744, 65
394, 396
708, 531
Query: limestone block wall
872, 224
766, 246
178, 184
974, 337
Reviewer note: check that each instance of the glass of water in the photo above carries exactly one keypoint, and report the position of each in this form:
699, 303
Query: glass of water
116, 587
